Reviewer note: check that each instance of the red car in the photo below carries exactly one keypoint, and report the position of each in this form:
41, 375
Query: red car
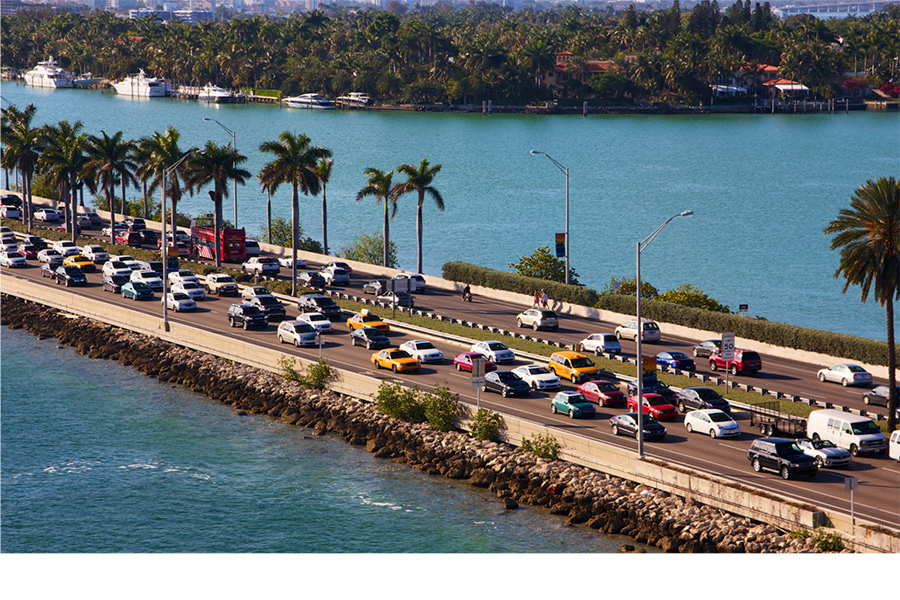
602, 392
130, 238
463, 362
656, 406
745, 361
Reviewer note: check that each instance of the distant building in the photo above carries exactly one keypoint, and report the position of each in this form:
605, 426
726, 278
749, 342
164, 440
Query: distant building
569, 67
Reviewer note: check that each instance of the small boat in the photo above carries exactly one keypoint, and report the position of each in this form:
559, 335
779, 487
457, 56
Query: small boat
354, 100
48, 74
141, 86
86, 80
213, 93
309, 101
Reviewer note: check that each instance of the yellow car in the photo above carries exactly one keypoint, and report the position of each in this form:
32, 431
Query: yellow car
366, 319
395, 359
572, 365
80, 261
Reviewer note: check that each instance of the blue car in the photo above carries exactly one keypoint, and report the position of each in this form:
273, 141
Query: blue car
675, 360
137, 290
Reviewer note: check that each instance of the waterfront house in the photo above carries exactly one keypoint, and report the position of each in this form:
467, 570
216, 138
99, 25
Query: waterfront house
569, 67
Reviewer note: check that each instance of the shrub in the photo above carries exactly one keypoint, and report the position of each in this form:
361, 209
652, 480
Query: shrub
402, 403
288, 368
542, 445
318, 375
441, 408
512, 282
486, 425
827, 541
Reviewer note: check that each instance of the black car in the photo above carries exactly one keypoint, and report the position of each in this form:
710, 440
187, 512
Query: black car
270, 305
114, 283
653, 386
376, 287
94, 218
627, 424
878, 396
48, 269
707, 347
153, 265
149, 236
69, 276
369, 337
782, 456
699, 398
36, 241
505, 383
320, 304
247, 316
11, 200
311, 279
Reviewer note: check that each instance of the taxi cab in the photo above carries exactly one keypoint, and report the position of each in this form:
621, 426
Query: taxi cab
395, 359
366, 319
80, 261
573, 366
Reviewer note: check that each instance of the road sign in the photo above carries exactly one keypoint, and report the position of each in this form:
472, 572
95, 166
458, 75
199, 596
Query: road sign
851, 483
478, 366
648, 364
727, 351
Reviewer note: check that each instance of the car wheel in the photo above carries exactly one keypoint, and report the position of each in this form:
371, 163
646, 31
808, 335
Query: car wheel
394, 368
822, 377
504, 393
518, 322
231, 321
854, 450
280, 340
534, 326
712, 433
844, 382
681, 406
689, 428
296, 342
458, 367
618, 336
597, 351
866, 400
712, 365
696, 354
571, 414
756, 465
820, 463
553, 408
734, 370
615, 430
785, 473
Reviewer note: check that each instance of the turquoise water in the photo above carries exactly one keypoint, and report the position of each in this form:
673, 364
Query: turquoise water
762, 187
100, 459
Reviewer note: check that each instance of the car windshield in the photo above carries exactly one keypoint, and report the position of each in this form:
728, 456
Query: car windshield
400, 354
424, 346
304, 328
316, 317
324, 302
607, 387
140, 286
865, 428
95, 249
185, 273
267, 300
750, 355
72, 270
538, 370
719, 417
267, 261
225, 279
576, 399
787, 449
496, 346
609, 338
819, 444
707, 394
373, 333
582, 362
507, 376
119, 279
656, 401
180, 296
251, 310
190, 285
547, 314
678, 355
370, 318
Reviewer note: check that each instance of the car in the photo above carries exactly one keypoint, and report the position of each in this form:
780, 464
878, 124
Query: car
321, 304
505, 383
179, 301
745, 361
627, 423
495, 351
311, 279
321, 323
83, 222
9, 212
81, 261
675, 360
107, 231
148, 236
181, 248
183, 237
137, 290
878, 396
182, 276
335, 275
9, 247
36, 241
251, 291
782, 456
369, 337
66, 247
94, 218
423, 351
69, 275
573, 366
395, 359
115, 266
464, 360
129, 238
573, 404
894, 445
271, 306
152, 265
95, 253
114, 282
130, 261
246, 316
261, 265
845, 374
604, 393
13, 259
651, 385
28, 251
49, 269
366, 319
539, 377
288, 262
46, 215
135, 223
220, 284
629, 330
149, 277
701, 398
251, 248
706, 348
538, 318
398, 299
339, 264
191, 288
654, 405
600, 343
711, 421
825, 453
416, 282
299, 333
11, 200
51, 256
376, 287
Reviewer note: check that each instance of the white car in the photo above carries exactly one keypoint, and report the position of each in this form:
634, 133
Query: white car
423, 351
298, 333
600, 343
179, 301
825, 453
149, 277
181, 276
711, 421
416, 282
95, 253
336, 275
191, 288
252, 291
107, 231
317, 320
538, 318
251, 248
262, 265
129, 260
845, 374
13, 259
182, 236
66, 248
9, 247
495, 351
630, 330
539, 377
47, 215
288, 262
115, 267
9, 212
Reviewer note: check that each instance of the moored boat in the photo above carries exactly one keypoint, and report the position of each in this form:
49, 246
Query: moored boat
141, 86
309, 101
86, 80
354, 100
213, 93
48, 74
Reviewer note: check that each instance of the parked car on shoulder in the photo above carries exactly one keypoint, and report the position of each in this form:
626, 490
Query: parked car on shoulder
46, 215
321, 304
464, 360
271, 306
495, 351
604, 393
505, 383
600, 343
299, 333
655, 406
782, 456
845, 374
191, 288
179, 301
572, 404
376, 287
675, 360
261, 265
538, 318
539, 377
137, 290
220, 284
697, 398
627, 424
745, 361
13, 260
423, 351
825, 453
398, 299
320, 322
395, 359
95, 253
246, 316
114, 282
573, 366
369, 337
711, 421
629, 330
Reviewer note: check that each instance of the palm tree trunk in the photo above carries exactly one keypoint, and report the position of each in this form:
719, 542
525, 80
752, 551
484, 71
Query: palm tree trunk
295, 209
73, 200
146, 204
419, 232
218, 226
112, 214
892, 366
124, 205
26, 185
324, 223
174, 219
387, 243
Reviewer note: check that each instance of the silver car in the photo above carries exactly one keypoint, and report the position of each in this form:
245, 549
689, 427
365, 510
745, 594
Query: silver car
629, 330
318, 320
538, 318
299, 333
598, 343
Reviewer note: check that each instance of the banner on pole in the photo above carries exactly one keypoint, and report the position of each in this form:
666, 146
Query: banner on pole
560, 245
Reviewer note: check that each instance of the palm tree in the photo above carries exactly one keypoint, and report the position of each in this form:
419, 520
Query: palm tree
216, 165
62, 161
380, 186
107, 164
158, 153
419, 180
323, 172
868, 236
22, 148
295, 164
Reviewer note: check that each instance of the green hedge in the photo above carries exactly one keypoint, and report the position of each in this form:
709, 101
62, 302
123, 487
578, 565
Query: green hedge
513, 282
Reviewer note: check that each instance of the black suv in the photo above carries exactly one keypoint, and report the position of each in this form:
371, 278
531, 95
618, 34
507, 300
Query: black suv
320, 304
247, 316
782, 456
699, 398
270, 305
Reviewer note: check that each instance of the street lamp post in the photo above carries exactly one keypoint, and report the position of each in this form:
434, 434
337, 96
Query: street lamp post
565, 171
234, 146
641, 246
164, 244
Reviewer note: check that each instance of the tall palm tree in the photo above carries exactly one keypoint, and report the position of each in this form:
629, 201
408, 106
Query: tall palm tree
323, 172
419, 181
108, 163
22, 148
62, 161
158, 153
381, 187
216, 165
295, 163
868, 236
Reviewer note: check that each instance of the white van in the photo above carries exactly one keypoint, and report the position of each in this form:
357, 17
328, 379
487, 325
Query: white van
846, 430
894, 445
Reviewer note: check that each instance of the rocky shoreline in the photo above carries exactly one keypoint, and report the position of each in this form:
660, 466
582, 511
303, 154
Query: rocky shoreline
582, 496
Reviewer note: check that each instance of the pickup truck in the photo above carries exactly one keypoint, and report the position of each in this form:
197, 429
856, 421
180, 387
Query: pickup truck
221, 284
262, 265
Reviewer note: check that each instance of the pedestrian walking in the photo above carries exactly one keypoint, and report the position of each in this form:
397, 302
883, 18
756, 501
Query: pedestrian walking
537, 298
544, 298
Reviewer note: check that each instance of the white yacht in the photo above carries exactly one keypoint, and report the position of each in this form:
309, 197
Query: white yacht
354, 100
213, 93
86, 80
141, 86
48, 74
309, 101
